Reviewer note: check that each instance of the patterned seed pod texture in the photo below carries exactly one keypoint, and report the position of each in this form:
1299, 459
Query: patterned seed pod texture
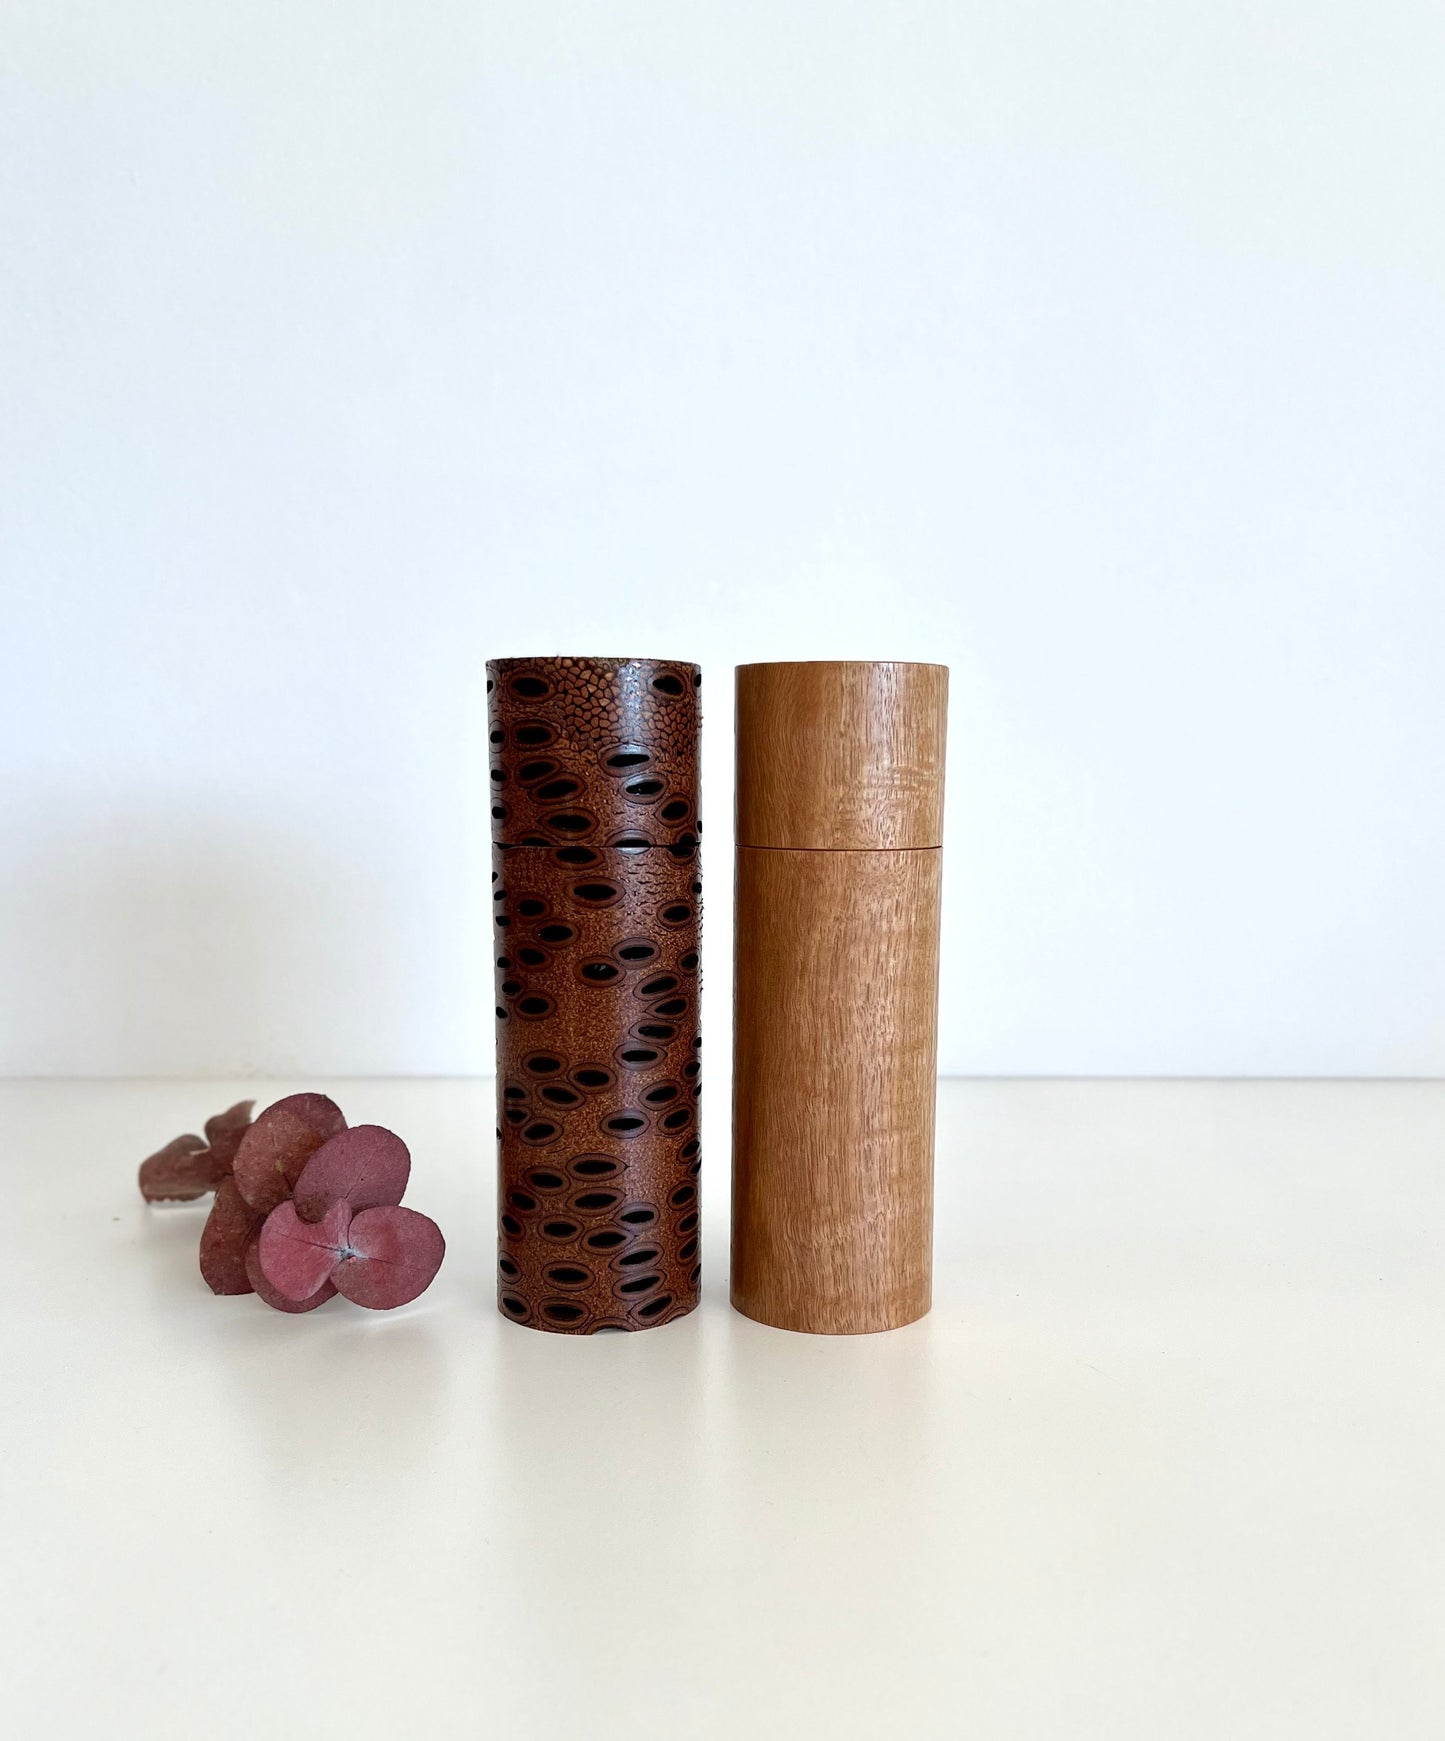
594, 751
597, 897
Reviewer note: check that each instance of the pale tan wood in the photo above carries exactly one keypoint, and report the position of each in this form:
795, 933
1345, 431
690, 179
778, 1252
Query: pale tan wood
840, 754
834, 1076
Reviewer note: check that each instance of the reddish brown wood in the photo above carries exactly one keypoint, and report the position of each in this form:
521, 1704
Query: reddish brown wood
836, 753
836, 1052
836, 993
598, 751
597, 996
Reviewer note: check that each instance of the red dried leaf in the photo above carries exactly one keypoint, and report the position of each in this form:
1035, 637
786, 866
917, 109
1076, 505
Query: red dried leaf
257, 1278
366, 1167
392, 1256
296, 1256
225, 1130
272, 1153
318, 1110
378, 1258
232, 1225
180, 1172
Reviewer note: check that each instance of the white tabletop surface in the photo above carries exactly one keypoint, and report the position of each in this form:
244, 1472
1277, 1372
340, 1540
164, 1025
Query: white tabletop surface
1166, 1461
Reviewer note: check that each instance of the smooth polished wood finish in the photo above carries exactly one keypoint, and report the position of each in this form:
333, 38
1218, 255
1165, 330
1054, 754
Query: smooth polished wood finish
835, 754
834, 1077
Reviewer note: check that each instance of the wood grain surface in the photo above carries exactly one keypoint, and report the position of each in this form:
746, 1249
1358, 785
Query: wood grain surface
834, 1079
834, 754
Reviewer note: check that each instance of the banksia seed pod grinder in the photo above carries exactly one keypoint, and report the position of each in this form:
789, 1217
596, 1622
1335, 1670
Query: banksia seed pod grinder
596, 896
839, 837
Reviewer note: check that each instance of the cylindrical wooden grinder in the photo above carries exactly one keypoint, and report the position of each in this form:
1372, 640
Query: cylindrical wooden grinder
595, 889
839, 850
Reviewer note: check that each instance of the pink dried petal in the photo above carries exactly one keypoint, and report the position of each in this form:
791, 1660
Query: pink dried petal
366, 1166
391, 1256
257, 1278
296, 1256
225, 1130
232, 1225
271, 1155
180, 1172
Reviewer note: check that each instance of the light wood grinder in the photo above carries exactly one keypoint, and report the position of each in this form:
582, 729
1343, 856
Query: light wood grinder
839, 850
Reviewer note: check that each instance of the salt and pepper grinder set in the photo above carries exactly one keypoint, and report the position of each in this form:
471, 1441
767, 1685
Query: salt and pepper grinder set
596, 895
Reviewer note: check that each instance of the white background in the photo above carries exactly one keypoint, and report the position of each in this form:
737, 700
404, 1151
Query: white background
1094, 349
1162, 1463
